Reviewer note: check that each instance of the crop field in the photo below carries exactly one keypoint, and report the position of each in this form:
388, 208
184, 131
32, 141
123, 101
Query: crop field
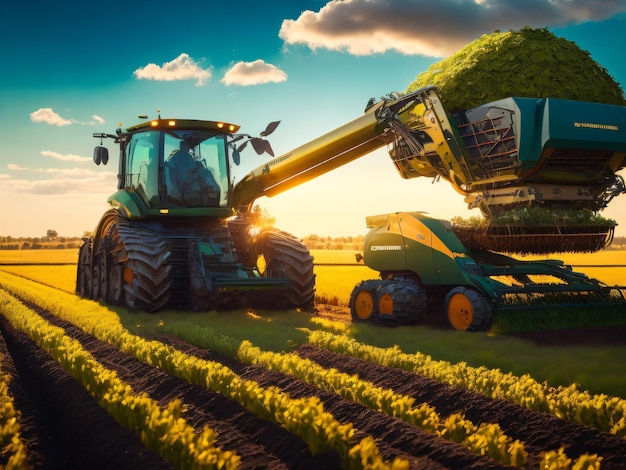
84, 385
337, 272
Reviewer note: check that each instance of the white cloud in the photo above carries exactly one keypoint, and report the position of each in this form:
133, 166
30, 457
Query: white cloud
182, 67
429, 28
66, 186
70, 181
253, 73
65, 157
14, 167
48, 116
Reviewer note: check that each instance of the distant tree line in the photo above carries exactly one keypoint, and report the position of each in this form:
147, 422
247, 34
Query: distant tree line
315, 242
619, 243
261, 218
50, 240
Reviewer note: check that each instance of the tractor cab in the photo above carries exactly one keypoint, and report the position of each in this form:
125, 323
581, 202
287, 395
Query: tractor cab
172, 166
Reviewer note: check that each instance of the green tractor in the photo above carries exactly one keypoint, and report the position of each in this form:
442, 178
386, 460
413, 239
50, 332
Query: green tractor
171, 238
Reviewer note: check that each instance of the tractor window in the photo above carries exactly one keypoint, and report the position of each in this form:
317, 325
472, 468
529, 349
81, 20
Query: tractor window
195, 169
142, 166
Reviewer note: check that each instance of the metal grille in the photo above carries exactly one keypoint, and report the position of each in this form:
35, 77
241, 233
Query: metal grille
578, 160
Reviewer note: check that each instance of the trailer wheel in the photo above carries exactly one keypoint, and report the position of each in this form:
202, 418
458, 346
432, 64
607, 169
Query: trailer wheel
363, 306
402, 301
468, 310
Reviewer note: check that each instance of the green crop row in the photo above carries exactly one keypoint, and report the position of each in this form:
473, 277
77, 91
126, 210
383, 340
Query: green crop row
487, 439
568, 403
163, 430
104, 323
304, 417
12, 447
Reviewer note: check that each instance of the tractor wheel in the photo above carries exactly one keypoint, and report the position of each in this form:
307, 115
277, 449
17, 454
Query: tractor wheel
116, 286
285, 256
468, 310
363, 304
83, 273
95, 287
402, 301
146, 271
101, 274
116, 264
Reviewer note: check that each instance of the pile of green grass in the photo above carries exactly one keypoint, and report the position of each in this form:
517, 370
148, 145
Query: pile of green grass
526, 63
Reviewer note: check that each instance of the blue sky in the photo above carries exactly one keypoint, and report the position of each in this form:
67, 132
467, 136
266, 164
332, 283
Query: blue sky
73, 68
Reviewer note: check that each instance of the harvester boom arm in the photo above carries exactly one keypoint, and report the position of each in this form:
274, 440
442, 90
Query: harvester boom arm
332, 150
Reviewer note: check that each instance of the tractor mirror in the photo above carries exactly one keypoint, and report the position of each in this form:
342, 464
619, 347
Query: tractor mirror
101, 155
236, 157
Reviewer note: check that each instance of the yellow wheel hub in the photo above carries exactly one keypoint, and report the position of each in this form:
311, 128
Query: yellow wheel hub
363, 304
385, 304
460, 312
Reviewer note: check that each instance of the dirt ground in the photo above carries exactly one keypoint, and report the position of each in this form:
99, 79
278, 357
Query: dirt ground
65, 428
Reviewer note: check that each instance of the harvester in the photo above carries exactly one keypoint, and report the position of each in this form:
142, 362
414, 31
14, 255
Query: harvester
424, 266
162, 245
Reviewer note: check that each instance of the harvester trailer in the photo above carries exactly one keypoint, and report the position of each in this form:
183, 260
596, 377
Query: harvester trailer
180, 234
425, 267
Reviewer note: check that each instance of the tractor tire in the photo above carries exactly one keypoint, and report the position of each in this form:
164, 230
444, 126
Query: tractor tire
83, 272
125, 262
285, 256
145, 272
116, 261
116, 286
401, 301
101, 273
468, 310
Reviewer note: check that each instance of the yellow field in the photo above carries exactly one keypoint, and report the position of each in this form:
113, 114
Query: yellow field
334, 256
601, 257
579, 261
62, 277
334, 283
39, 256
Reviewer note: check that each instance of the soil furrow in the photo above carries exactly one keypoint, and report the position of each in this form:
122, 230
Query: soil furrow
260, 444
539, 431
82, 433
394, 438
71, 430
33, 432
